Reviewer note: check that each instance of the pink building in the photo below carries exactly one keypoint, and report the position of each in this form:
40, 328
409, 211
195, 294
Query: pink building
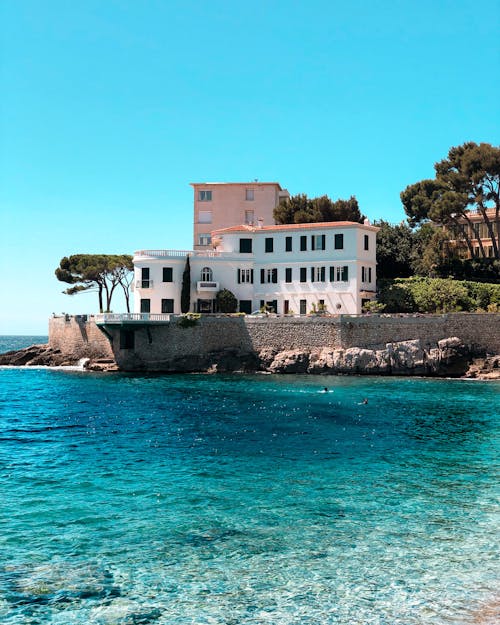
225, 204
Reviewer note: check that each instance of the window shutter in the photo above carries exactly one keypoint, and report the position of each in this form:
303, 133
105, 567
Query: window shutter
323, 241
313, 242
239, 276
275, 276
322, 274
303, 243
251, 276
332, 274
312, 274
345, 273
262, 276
303, 274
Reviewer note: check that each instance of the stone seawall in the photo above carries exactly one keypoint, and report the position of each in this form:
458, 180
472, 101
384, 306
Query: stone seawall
240, 342
78, 337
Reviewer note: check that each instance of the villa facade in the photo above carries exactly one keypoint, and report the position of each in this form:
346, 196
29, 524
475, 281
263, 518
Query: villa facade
287, 269
475, 229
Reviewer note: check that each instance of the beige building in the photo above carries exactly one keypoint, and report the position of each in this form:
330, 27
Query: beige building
474, 230
225, 204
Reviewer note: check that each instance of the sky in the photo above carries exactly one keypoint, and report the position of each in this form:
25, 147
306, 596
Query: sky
108, 110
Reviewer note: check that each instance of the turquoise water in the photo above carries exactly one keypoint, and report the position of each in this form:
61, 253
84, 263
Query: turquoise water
246, 499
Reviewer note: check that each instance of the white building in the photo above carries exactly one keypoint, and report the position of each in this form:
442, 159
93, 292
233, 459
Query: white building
287, 268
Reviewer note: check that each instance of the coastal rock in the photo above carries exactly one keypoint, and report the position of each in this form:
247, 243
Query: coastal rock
35, 355
487, 368
449, 358
294, 361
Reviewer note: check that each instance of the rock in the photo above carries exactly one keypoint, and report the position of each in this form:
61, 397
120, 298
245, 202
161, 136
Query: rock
295, 361
487, 368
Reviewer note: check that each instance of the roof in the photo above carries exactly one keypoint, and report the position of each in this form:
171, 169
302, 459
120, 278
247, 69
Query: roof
308, 226
252, 183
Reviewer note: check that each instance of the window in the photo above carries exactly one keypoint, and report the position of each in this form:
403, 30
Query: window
205, 217
146, 283
288, 244
145, 305
318, 241
206, 274
332, 274
246, 306
204, 196
167, 306
317, 274
303, 306
245, 246
269, 244
303, 274
288, 274
342, 274
339, 242
286, 307
249, 218
204, 239
249, 195
367, 241
303, 243
245, 276
268, 276
167, 274
366, 274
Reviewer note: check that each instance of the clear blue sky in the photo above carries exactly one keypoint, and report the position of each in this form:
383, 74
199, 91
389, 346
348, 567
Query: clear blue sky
109, 109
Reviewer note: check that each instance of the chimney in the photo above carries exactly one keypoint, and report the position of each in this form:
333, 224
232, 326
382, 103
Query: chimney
260, 222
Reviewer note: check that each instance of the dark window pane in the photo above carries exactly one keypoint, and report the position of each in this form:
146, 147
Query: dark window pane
245, 246
288, 274
339, 241
145, 305
167, 306
288, 244
167, 274
269, 244
303, 243
303, 274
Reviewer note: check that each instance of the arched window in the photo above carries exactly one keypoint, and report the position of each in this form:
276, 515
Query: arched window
206, 274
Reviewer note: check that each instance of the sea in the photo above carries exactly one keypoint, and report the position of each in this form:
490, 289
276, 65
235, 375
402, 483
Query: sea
134, 499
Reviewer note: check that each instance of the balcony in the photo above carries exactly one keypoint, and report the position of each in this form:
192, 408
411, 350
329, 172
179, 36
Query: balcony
144, 284
207, 287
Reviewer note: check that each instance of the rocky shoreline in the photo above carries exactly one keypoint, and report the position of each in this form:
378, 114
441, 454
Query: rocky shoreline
449, 358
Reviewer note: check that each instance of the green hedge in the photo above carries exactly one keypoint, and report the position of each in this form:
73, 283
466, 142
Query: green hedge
435, 295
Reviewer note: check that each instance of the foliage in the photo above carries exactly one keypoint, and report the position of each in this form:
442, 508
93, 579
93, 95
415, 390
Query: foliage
430, 295
373, 307
394, 250
188, 320
468, 179
301, 209
476, 269
226, 301
186, 288
101, 272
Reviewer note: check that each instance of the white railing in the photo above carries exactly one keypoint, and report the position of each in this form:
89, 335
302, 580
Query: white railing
184, 253
106, 318
207, 286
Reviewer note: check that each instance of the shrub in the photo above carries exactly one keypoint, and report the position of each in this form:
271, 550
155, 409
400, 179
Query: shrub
226, 301
373, 307
188, 320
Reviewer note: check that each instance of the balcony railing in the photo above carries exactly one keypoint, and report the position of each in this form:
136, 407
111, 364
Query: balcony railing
144, 284
207, 286
111, 318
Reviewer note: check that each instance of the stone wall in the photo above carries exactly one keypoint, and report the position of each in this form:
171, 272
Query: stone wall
166, 346
480, 332
78, 337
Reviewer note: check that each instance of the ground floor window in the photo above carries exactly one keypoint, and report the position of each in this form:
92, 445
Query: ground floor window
246, 306
145, 305
205, 306
286, 307
167, 306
